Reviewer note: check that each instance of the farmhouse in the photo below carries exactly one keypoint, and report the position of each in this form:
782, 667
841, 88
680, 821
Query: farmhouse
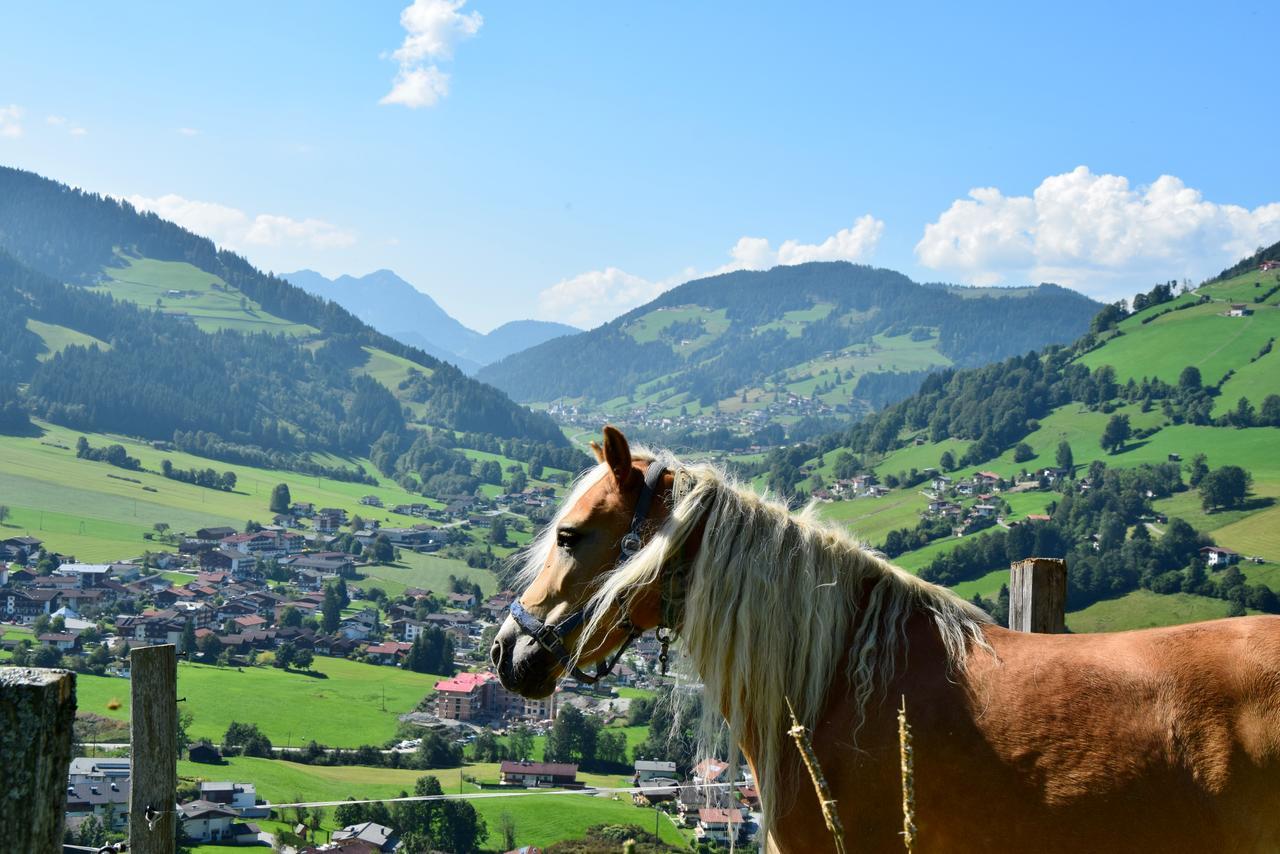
378, 837
1218, 556
1239, 309
649, 769
109, 801
720, 826
25, 605
205, 821
538, 774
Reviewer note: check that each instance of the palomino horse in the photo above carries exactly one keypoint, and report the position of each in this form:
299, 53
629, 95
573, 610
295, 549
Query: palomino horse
1160, 740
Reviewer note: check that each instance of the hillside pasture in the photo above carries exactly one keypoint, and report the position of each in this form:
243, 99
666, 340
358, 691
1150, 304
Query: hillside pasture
341, 704
58, 338
1201, 336
1142, 609
178, 288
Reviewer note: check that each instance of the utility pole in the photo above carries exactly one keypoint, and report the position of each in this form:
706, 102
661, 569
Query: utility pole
153, 761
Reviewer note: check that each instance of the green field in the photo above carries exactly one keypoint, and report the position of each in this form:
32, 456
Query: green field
1142, 609
1200, 336
58, 338
96, 512
208, 300
356, 704
539, 819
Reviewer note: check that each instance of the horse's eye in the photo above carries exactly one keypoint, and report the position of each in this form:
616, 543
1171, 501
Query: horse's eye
567, 537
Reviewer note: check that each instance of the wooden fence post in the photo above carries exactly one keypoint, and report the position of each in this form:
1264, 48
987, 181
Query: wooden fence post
153, 750
1038, 595
37, 713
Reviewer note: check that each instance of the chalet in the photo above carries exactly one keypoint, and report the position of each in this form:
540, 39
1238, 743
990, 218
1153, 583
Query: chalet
1038, 517
205, 821
461, 600
302, 509
497, 605
326, 563
238, 563
709, 771
313, 579
649, 769
1218, 556
85, 574
330, 519
84, 769
371, 501
204, 752
538, 774
720, 826
213, 536
407, 629
1239, 309
377, 837
24, 606
986, 480
20, 549
61, 641
108, 800
941, 483
241, 797
418, 539
984, 510
249, 622
263, 544
388, 652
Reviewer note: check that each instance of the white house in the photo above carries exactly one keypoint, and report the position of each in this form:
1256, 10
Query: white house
205, 821
650, 769
1218, 556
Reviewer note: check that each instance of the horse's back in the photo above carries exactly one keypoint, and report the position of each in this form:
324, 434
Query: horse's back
1158, 737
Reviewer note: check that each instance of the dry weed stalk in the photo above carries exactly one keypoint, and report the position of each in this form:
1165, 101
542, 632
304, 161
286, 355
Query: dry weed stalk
907, 756
829, 814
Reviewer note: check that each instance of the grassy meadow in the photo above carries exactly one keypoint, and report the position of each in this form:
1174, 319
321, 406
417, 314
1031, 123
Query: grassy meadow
341, 704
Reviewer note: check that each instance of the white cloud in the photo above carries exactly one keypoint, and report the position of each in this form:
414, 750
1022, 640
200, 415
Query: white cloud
591, 298
1094, 233
56, 121
188, 132
78, 131
11, 121
234, 229
432, 27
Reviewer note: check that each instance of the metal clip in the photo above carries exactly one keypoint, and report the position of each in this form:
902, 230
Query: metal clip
664, 640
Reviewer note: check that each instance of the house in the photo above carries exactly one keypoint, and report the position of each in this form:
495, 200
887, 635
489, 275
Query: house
538, 774
19, 549
466, 697
330, 519
238, 563
1239, 309
388, 652
708, 771
326, 563
381, 837
84, 769
984, 510
371, 500
720, 826
649, 769
24, 606
108, 800
214, 535
1217, 556
85, 574
461, 600
241, 797
205, 821
63, 642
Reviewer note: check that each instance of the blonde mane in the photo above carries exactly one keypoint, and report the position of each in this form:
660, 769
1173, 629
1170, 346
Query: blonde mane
772, 602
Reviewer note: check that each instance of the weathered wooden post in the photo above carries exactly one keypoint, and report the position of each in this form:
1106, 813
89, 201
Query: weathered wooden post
153, 750
1038, 595
37, 713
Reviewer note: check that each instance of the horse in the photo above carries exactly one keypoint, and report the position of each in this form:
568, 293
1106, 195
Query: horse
1163, 739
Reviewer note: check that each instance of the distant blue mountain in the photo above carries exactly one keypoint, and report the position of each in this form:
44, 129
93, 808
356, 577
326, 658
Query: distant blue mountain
394, 307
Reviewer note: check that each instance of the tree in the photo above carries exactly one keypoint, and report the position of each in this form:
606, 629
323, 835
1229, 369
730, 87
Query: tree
188, 644
1065, 459
343, 596
1199, 468
1226, 487
382, 551
498, 531
1242, 415
1268, 416
209, 646
247, 739
303, 659
1116, 433
1189, 379
280, 498
290, 617
4, 513
507, 824
330, 610
1022, 452
285, 655
520, 481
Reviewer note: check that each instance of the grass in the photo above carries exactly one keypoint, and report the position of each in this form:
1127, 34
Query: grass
1200, 336
84, 508
539, 819
1142, 609
208, 300
1254, 380
428, 571
58, 338
346, 709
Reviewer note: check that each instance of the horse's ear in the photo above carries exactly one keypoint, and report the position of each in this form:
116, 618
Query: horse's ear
597, 450
617, 453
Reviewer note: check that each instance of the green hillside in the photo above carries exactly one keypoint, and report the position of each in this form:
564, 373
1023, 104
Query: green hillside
820, 339
1013, 418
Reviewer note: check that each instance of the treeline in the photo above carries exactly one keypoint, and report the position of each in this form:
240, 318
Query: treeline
112, 454
866, 301
208, 478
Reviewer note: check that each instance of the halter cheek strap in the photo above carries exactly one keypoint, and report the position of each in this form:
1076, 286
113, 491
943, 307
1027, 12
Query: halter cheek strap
551, 637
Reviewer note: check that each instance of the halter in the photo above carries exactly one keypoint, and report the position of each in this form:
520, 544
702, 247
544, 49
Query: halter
551, 637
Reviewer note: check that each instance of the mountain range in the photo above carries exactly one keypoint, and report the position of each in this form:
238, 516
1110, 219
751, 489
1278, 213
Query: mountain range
391, 305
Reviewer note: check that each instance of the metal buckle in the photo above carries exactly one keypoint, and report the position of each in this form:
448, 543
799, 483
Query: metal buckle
631, 544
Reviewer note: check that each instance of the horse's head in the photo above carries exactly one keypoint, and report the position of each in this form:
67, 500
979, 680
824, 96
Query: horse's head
542, 638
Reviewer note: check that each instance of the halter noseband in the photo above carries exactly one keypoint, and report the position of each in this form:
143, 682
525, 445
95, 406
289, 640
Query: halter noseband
551, 638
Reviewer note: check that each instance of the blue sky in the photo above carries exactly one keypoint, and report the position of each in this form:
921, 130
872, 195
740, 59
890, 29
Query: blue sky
582, 157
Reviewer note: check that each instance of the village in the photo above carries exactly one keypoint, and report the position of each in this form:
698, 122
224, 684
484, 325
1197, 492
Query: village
286, 594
